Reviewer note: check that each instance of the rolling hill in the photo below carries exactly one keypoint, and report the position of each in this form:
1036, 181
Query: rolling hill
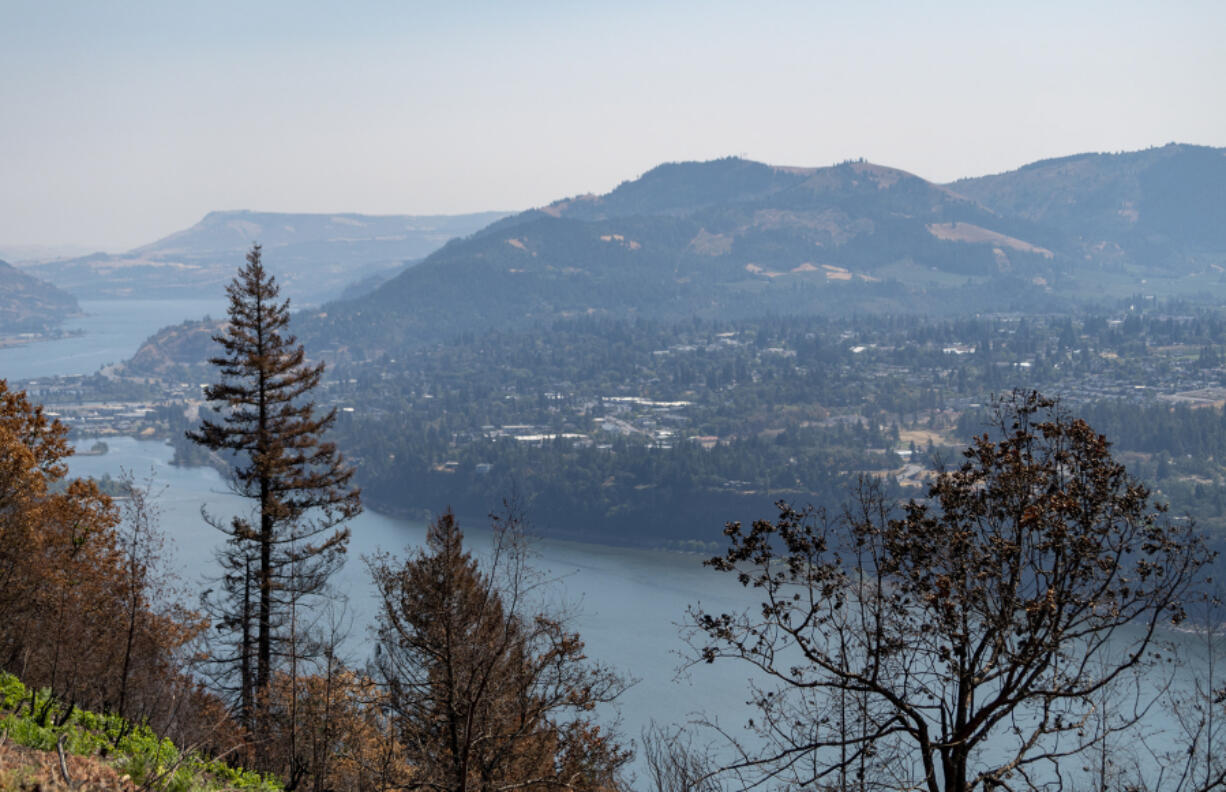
1159, 212
722, 238
735, 238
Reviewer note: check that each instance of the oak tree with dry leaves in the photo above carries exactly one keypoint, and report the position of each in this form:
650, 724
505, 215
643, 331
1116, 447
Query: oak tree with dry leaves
962, 641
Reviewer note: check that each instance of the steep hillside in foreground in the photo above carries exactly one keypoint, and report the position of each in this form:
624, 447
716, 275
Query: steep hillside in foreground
45, 739
31, 305
314, 256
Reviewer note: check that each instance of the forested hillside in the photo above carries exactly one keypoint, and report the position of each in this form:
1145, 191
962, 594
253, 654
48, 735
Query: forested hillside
738, 239
640, 365
656, 432
30, 305
1161, 210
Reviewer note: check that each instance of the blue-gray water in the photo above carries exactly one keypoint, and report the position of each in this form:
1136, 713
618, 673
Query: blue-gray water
113, 331
627, 603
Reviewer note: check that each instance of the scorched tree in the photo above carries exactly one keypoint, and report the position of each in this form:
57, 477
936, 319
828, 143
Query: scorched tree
272, 435
963, 641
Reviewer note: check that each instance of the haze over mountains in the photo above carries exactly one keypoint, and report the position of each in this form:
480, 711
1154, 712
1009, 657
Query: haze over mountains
730, 238
735, 238
844, 300
314, 256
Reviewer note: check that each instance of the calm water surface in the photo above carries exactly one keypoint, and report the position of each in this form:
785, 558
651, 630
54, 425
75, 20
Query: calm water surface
627, 603
113, 331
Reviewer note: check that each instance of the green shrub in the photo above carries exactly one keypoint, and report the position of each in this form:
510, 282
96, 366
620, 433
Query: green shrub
140, 753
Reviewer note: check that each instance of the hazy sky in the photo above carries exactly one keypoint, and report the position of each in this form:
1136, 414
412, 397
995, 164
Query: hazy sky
126, 121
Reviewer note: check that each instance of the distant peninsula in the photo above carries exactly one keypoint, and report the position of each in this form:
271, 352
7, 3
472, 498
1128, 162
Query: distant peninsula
30, 306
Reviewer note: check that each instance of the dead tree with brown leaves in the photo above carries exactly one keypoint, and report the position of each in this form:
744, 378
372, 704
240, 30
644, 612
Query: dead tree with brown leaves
959, 642
488, 692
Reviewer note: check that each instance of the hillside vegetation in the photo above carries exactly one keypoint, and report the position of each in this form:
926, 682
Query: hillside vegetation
114, 666
108, 752
1158, 209
734, 239
31, 305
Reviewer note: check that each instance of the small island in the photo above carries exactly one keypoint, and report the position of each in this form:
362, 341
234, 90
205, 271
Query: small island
99, 448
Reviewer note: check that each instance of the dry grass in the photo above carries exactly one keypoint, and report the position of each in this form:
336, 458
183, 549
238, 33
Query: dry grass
25, 769
921, 437
968, 232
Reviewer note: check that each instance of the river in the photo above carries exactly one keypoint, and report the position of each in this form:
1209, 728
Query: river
111, 331
626, 603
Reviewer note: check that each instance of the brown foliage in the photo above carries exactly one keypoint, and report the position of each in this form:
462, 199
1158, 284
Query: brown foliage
486, 692
301, 487
79, 612
58, 558
1002, 607
25, 769
331, 731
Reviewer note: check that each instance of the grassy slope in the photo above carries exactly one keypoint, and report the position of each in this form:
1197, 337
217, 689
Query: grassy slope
100, 756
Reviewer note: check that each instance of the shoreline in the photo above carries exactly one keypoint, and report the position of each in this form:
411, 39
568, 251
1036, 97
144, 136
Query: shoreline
466, 516
15, 340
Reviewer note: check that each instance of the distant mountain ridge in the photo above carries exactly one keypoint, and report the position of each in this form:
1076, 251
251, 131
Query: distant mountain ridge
1162, 208
732, 237
682, 188
315, 256
728, 237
